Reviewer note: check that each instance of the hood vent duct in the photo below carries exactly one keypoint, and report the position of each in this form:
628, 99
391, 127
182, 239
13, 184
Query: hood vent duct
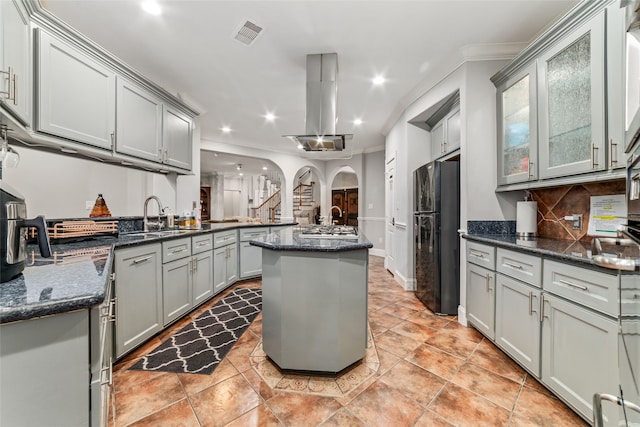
322, 100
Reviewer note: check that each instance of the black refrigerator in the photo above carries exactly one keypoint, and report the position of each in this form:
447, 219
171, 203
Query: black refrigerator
437, 243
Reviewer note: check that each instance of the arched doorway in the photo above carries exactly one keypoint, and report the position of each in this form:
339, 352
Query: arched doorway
306, 196
344, 199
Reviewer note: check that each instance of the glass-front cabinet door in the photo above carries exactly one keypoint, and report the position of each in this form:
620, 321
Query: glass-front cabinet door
571, 103
517, 128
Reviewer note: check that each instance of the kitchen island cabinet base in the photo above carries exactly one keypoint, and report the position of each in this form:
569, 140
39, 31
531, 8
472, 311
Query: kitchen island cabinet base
314, 308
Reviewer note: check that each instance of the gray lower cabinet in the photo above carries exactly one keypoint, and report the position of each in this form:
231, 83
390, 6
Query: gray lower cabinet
251, 256
102, 318
187, 275
579, 355
176, 289
138, 277
518, 321
225, 259
481, 299
45, 370
75, 96
225, 267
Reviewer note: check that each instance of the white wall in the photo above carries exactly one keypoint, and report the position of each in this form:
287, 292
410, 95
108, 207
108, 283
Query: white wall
58, 186
371, 218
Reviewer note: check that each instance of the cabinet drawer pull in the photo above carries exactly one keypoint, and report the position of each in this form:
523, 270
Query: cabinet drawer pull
143, 259
488, 280
573, 285
594, 156
201, 244
530, 303
518, 266
478, 254
15, 89
177, 251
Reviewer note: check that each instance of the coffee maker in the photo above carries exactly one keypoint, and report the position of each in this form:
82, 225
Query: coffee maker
14, 227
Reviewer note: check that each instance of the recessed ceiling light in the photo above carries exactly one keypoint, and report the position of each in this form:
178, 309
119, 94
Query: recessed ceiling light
241, 174
378, 80
151, 7
357, 122
226, 129
300, 147
270, 117
264, 168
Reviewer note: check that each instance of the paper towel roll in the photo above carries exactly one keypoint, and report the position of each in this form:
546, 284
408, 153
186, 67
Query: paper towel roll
527, 219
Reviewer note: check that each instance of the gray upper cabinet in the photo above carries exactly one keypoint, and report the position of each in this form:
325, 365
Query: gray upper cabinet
139, 122
571, 82
445, 135
75, 93
15, 74
177, 138
616, 78
518, 128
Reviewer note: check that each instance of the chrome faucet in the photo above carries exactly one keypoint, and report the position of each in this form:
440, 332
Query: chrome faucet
339, 210
145, 221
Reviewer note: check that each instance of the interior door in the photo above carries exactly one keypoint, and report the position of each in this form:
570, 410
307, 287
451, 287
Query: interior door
390, 203
351, 207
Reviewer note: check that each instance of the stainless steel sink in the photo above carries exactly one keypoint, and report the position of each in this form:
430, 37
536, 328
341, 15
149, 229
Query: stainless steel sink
156, 233
329, 232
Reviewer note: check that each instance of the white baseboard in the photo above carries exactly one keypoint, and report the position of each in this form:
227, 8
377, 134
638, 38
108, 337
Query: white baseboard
462, 315
377, 252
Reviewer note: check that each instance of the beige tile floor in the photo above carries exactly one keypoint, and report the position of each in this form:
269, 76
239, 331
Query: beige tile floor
428, 371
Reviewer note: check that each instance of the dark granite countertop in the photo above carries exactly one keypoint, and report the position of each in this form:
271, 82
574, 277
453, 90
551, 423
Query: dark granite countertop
76, 275
292, 239
577, 252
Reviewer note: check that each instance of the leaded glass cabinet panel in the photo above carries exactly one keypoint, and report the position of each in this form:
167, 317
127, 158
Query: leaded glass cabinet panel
517, 128
571, 94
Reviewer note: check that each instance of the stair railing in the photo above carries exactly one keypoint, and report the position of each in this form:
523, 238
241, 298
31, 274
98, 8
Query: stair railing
266, 212
300, 189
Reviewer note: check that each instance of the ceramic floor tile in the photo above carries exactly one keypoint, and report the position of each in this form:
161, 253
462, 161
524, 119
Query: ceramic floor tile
258, 384
239, 354
498, 389
464, 408
194, 383
125, 379
343, 418
430, 320
538, 409
261, 416
295, 409
460, 331
381, 405
383, 320
147, 398
430, 419
387, 361
224, 402
453, 345
414, 382
179, 414
414, 331
493, 359
412, 303
437, 361
532, 383
397, 344
399, 311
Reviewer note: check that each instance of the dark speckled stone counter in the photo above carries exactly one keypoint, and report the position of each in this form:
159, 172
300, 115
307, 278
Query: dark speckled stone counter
566, 250
75, 277
292, 240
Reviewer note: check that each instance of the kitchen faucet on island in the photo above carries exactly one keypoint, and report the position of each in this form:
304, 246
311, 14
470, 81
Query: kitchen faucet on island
145, 221
331, 212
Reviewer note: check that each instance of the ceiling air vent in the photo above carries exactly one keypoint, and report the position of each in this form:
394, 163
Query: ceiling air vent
248, 32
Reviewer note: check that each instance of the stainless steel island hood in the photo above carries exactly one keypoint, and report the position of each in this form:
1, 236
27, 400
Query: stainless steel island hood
322, 96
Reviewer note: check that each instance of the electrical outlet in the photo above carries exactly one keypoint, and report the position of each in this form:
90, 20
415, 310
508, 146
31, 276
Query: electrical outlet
370, 205
577, 221
88, 204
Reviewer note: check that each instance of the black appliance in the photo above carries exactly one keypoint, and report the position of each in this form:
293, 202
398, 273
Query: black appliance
437, 243
13, 233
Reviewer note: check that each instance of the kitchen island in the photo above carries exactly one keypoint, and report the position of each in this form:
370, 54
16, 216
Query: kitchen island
314, 298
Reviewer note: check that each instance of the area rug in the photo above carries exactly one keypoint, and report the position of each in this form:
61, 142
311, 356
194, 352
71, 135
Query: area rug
200, 346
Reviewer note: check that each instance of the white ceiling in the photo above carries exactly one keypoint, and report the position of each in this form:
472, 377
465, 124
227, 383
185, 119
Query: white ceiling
190, 50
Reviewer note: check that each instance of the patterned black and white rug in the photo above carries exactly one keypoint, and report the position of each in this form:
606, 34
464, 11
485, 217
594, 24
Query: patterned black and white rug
200, 346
